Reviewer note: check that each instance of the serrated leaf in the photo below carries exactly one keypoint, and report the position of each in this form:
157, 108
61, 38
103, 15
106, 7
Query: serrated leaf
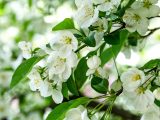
100, 85
60, 111
65, 24
23, 70
80, 72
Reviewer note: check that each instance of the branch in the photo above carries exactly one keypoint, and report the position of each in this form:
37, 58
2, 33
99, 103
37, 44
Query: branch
126, 115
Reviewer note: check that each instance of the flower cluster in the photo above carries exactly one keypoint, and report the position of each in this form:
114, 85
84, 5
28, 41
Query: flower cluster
104, 27
137, 17
56, 68
140, 97
136, 93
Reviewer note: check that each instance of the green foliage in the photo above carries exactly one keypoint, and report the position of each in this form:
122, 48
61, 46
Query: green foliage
80, 72
113, 38
133, 38
101, 14
72, 86
154, 86
151, 64
122, 9
59, 112
23, 70
157, 102
114, 49
30, 2
65, 90
90, 41
65, 24
100, 85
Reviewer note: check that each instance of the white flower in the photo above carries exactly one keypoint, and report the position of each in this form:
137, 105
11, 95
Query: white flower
86, 14
51, 89
107, 5
45, 87
79, 113
156, 93
132, 79
26, 48
61, 64
93, 64
101, 27
139, 99
149, 6
136, 20
35, 80
153, 113
101, 72
64, 39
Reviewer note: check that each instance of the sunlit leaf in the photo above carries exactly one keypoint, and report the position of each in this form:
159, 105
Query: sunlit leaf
59, 112
65, 24
23, 70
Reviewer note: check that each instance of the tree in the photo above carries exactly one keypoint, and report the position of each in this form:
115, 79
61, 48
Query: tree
58, 69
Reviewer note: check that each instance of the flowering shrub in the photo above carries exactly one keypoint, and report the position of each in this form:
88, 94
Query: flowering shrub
58, 69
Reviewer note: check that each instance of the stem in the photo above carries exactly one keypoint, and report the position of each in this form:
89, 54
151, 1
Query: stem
115, 64
105, 116
100, 97
153, 69
98, 108
146, 81
80, 48
151, 32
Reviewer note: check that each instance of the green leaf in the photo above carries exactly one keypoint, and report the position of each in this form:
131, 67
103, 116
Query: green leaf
30, 3
65, 90
72, 86
90, 41
112, 17
109, 26
102, 14
100, 85
151, 64
78, 36
60, 111
114, 49
154, 86
65, 24
113, 38
133, 38
80, 72
23, 70
123, 9
157, 102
